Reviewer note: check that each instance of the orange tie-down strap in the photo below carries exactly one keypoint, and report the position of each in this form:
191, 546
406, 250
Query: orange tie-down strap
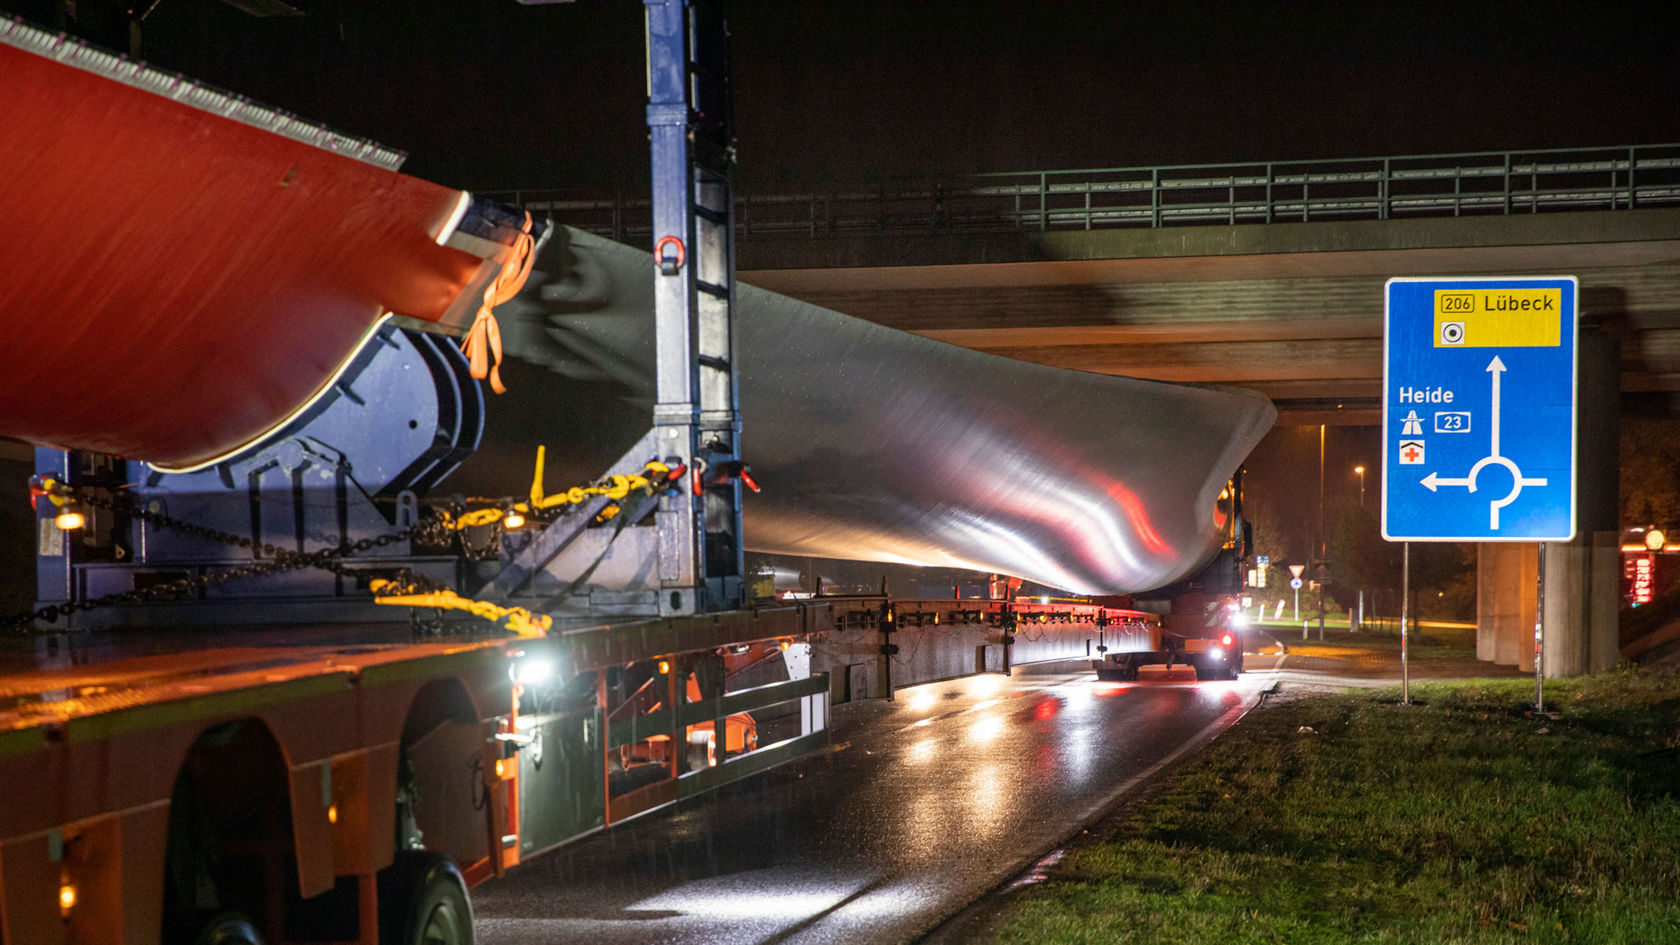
483, 344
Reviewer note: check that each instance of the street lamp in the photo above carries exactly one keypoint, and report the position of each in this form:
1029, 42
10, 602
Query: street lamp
1361, 471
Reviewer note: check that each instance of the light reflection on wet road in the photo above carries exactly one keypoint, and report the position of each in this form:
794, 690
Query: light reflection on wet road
930, 800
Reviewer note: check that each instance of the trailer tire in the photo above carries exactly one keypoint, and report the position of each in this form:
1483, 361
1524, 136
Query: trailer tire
1204, 671
423, 901
1118, 670
228, 928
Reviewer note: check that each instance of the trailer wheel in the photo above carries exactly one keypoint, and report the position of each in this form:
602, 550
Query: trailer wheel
1205, 671
1118, 670
423, 901
228, 928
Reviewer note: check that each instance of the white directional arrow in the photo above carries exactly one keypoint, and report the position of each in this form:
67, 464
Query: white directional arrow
1431, 481
1495, 367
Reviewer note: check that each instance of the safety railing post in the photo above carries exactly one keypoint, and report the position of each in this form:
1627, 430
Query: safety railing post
1155, 197
1507, 178
1087, 205
1270, 205
1043, 202
1383, 192
1632, 163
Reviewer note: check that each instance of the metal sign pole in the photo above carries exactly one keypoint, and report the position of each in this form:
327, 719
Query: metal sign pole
1540, 631
1405, 615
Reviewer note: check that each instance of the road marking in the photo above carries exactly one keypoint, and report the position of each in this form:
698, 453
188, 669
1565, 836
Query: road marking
1495, 367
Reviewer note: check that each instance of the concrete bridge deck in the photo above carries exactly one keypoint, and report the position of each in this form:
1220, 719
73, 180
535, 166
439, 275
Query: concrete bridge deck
1293, 310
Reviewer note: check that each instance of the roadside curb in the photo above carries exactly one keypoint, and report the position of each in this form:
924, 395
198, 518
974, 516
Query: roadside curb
981, 917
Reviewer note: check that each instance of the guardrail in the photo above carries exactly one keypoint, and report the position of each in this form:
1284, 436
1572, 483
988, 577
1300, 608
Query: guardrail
1387, 188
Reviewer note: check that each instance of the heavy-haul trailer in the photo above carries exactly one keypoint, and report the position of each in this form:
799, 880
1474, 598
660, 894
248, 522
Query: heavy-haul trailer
281, 788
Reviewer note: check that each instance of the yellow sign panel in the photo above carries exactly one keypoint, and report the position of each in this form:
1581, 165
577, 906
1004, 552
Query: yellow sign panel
1498, 318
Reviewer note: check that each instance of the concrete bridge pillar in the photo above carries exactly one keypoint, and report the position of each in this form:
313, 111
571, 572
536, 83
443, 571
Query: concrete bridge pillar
1581, 575
1506, 603
1581, 606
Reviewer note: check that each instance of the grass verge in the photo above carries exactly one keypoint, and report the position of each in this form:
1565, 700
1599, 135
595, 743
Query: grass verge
1351, 818
1428, 644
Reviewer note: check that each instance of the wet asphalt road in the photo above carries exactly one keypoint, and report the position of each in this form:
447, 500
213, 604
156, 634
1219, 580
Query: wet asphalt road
926, 803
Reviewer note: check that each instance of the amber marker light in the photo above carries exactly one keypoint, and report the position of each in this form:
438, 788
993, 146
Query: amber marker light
513, 520
69, 520
66, 898
664, 667
332, 814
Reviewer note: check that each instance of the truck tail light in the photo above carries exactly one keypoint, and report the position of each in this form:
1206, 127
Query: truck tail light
1225, 640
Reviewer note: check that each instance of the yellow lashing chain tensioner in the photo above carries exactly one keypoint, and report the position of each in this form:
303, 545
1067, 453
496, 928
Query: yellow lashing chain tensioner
616, 488
517, 619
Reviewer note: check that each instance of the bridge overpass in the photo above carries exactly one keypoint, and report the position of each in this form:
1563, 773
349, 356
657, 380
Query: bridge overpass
1267, 276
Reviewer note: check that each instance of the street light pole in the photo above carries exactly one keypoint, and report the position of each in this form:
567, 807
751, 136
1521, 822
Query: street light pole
1323, 537
1359, 613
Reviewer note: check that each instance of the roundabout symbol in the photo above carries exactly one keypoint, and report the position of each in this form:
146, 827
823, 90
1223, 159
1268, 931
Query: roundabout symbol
1432, 482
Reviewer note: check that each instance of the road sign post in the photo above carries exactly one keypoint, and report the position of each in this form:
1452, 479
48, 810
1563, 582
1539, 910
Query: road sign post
1479, 394
1405, 598
1295, 585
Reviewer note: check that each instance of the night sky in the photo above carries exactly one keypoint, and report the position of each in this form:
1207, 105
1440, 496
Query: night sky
489, 94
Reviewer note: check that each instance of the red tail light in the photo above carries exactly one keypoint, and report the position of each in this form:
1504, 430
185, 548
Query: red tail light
1225, 640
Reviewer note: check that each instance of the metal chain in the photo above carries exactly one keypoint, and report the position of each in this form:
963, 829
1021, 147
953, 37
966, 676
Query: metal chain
327, 559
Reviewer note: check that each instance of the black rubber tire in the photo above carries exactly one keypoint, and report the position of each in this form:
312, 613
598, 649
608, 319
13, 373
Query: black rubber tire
423, 901
1111, 675
1204, 671
228, 928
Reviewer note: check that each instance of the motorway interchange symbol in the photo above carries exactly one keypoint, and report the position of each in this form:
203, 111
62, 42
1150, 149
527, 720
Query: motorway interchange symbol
1432, 481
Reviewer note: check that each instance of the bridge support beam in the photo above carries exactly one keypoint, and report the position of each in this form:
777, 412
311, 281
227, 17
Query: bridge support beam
1582, 576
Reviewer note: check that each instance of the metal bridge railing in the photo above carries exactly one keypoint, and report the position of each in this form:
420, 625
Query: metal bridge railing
1388, 188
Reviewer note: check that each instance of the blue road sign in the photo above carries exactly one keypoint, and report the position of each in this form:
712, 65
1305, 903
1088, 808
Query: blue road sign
1479, 409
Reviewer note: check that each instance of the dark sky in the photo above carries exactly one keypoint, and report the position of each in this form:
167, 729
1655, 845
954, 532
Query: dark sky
491, 94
